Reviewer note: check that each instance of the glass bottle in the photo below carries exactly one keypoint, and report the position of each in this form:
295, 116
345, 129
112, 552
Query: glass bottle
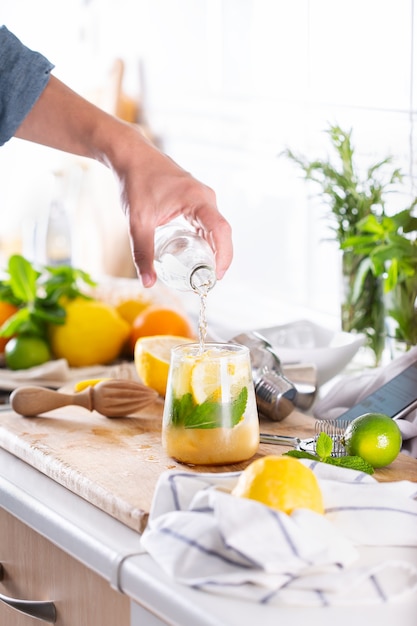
183, 259
58, 244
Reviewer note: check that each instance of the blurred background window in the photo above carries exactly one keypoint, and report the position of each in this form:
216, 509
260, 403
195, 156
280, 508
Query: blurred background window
223, 86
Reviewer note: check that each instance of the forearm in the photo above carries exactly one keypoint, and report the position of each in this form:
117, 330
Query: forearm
64, 120
153, 188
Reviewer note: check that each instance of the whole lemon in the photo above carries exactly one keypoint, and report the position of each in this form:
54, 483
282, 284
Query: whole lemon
375, 437
129, 309
282, 483
93, 333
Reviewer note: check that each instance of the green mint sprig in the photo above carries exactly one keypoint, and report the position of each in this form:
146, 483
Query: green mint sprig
208, 414
37, 292
324, 448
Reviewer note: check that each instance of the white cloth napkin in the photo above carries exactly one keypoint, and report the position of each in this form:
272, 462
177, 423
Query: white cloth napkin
57, 373
352, 389
208, 539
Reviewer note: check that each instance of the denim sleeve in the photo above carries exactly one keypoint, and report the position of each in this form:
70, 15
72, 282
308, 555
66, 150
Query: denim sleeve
24, 74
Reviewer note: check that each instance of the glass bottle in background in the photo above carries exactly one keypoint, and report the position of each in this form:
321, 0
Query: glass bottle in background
184, 260
57, 240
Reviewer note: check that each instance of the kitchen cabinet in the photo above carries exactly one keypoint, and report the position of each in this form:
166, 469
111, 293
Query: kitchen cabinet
35, 569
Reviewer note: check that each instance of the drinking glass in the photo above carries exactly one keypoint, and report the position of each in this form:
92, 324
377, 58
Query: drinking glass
210, 415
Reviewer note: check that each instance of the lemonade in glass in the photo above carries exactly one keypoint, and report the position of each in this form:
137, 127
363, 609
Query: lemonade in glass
210, 415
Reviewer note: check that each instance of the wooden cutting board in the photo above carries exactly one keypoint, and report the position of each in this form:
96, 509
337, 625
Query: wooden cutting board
115, 463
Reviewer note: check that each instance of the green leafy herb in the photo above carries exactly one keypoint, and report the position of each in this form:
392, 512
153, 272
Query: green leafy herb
351, 462
324, 448
301, 454
208, 414
38, 292
324, 445
182, 408
379, 252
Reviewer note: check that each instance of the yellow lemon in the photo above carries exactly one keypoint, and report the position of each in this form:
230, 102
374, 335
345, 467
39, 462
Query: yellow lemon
152, 357
131, 308
93, 333
282, 483
90, 382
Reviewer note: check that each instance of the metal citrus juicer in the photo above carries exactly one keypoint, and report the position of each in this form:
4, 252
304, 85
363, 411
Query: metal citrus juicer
276, 395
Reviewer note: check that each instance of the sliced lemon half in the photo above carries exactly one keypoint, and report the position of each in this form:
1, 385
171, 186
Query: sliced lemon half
152, 357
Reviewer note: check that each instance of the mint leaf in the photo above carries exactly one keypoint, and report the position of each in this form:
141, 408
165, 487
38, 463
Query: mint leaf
23, 278
205, 415
324, 445
208, 414
181, 409
239, 406
65, 281
351, 462
15, 323
37, 293
300, 454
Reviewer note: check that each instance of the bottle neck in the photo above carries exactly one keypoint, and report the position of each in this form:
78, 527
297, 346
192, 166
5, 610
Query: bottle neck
202, 279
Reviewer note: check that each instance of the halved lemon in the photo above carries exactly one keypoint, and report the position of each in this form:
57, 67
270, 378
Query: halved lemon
152, 357
282, 483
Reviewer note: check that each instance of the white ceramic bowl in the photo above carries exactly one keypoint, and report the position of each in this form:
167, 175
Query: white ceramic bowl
306, 342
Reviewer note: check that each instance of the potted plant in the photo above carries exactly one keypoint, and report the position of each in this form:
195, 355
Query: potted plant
389, 245
356, 204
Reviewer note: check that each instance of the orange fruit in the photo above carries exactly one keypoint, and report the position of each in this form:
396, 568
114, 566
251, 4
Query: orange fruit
282, 483
156, 320
6, 311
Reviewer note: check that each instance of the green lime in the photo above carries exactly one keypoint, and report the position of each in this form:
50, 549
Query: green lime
375, 437
26, 351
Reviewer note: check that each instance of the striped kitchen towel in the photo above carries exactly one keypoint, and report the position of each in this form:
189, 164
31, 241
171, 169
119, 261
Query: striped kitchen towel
208, 539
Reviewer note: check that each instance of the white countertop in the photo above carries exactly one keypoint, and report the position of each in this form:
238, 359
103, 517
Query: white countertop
113, 551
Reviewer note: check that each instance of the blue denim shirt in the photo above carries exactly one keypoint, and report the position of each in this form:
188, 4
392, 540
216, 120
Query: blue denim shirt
24, 74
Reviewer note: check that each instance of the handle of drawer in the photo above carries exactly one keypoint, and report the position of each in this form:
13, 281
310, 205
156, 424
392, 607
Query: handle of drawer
42, 610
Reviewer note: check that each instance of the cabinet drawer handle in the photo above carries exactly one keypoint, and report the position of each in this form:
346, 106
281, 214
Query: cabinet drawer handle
45, 611
40, 610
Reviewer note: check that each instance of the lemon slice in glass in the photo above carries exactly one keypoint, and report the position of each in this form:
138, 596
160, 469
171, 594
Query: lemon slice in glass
205, 381
217, 378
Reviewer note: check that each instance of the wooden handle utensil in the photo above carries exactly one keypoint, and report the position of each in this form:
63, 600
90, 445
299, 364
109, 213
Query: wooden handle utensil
111, 398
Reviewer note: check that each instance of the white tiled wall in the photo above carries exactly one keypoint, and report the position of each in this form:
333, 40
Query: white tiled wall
227, 85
